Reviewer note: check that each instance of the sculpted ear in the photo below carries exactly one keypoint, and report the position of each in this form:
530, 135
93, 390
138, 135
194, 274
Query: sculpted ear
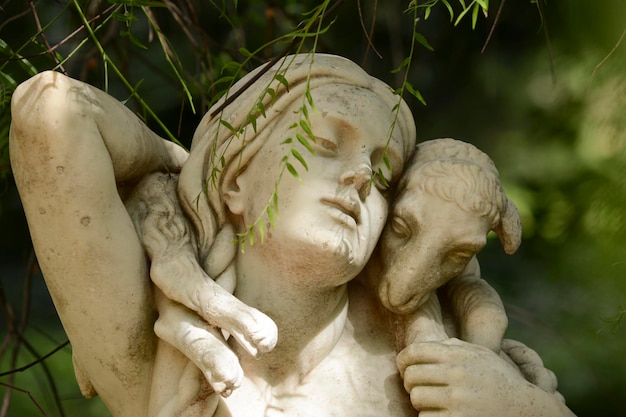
231, 191
509, 230
233, 197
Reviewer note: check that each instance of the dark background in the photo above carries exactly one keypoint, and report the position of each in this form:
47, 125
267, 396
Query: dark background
546, 99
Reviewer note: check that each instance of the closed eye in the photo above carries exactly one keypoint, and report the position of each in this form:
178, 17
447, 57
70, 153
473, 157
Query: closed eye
460, 257
325, 147
400, 228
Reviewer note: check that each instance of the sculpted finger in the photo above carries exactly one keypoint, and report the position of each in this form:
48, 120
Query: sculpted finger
415, 353
253, 330
520, 353
424, 375
431, 400
530, 365
426, 353
202, 344
540, 376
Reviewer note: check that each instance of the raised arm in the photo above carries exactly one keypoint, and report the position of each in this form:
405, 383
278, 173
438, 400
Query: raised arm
70, 146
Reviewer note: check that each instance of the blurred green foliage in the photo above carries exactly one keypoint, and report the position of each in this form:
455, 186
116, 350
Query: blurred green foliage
545, 99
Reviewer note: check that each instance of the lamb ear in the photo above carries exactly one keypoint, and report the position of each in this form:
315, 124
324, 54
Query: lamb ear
509, 230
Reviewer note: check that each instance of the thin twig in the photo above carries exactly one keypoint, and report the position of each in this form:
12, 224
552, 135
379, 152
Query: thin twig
11, 387
46, 370
546, 34
273, 62
12, 18
493, 27
611, 52
37, 361
63, 41
369, 35
33, 9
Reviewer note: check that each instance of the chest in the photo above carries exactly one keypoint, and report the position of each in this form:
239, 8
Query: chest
359, 377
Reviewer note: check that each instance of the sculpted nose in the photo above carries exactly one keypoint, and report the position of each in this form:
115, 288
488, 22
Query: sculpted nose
360, 178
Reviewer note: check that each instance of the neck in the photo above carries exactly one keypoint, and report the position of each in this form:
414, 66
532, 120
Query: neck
310, 318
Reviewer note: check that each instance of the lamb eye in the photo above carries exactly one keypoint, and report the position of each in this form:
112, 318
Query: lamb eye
400, 227
460, 257
324, 146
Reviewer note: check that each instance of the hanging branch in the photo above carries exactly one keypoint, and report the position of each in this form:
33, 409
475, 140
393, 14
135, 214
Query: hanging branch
329, 12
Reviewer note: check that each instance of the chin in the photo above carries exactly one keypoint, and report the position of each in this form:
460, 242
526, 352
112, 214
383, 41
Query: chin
340, 260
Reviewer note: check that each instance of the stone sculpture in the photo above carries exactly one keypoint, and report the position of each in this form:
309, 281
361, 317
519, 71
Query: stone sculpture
448, 199
117, 243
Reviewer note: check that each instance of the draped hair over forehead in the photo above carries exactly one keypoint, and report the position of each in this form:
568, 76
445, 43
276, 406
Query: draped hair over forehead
223, 144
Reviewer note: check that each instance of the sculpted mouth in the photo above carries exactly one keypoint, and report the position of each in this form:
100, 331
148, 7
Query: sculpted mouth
347, 206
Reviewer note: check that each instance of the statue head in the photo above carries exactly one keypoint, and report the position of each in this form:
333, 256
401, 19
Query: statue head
448, 200
268, 112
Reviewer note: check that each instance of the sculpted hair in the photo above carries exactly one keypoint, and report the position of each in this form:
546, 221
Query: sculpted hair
171, 211
224, 144
471, 187
459, 172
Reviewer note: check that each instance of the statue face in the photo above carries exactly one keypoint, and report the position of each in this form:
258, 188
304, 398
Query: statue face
331, 219
426, 242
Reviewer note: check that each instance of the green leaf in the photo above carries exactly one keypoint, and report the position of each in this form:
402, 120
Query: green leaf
484, 4
464, 12
139, 3
307, 128
262, 230
7, 80
228, 126
386, 161
405, 63
381, 178
475, 15
305, 113
293, 171
251, 120
309, 98
450, 9
230, 66
305, 143
299, 157
271, 92
243, 51
128, 34
422, 40
415, 93
270, 215
281, 79
275, 201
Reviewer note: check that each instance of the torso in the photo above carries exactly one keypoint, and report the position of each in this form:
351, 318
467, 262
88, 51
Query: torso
359, 377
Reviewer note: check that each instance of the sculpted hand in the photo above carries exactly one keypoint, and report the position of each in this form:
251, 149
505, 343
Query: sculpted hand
454, 378
531, 366
201, 343
193, 307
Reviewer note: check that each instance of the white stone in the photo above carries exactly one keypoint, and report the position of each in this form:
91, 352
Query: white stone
281, 328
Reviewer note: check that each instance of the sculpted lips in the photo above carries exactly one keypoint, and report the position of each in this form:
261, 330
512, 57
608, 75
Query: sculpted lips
346, 206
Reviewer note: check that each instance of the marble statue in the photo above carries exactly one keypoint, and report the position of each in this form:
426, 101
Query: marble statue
169, 315
447, 201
